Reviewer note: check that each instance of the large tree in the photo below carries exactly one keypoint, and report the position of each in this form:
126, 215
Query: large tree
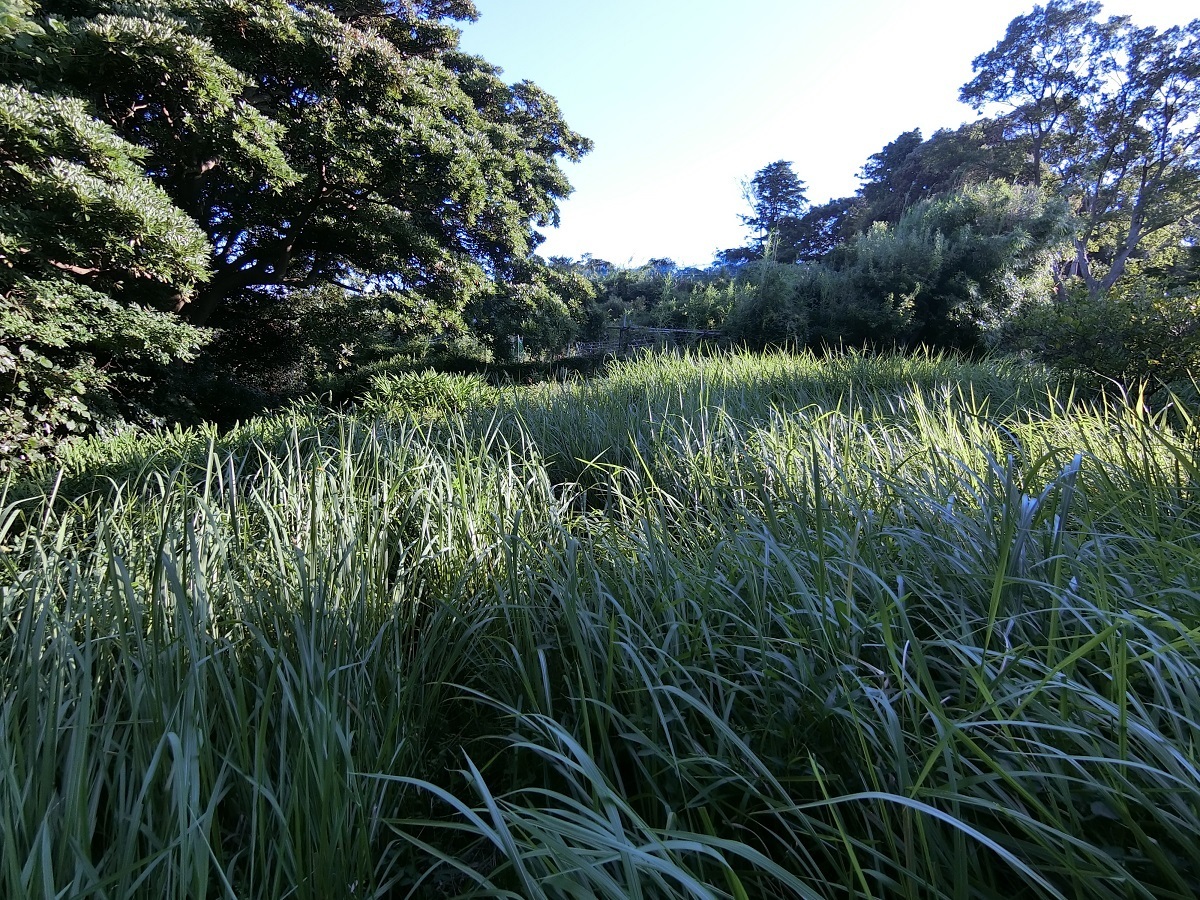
1112, 112
777, 196
820, 231
909, 169
340, 142
224, 150
903, 173
889, 185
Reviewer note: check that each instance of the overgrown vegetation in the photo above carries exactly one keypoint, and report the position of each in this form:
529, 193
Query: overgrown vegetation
724, 627
322, 575
213, 209
1063, 225
173, 169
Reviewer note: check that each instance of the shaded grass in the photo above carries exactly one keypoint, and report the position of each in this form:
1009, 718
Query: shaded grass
735, 627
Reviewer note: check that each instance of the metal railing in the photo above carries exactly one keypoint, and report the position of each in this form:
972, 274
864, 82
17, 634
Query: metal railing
628, 338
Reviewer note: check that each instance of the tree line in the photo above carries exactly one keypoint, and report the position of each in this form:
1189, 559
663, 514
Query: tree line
1098, 113
209, 206
1065, 222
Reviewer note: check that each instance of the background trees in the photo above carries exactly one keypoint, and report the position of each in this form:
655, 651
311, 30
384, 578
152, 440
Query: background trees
209, 206
1113, 116
1065, 224
777, 197
953, 268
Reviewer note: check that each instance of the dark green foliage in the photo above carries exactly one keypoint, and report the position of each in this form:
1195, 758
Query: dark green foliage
943, 276
820, 231
346, 144
91, 252
544, 305
772, 304
954, 266
75, 201
338, 190
909, 170
905, 172
313, 148
888, 186
323, 341
902, 174
776, 196
656, 295
1143, 337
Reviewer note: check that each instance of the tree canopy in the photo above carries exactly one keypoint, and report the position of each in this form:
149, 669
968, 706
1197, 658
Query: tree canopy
91, 253
180, 156
777, 196
271, 193
315, 144
1112, 112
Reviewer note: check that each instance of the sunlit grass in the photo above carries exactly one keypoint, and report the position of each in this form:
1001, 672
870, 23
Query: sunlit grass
726, 627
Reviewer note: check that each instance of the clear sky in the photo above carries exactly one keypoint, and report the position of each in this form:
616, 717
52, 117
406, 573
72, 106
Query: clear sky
686, 99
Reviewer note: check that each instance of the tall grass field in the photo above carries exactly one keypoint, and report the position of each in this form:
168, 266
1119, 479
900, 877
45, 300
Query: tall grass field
727, 627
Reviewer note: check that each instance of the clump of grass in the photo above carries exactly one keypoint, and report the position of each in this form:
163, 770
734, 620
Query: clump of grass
98, 462
739, 627
426, 394
615, 419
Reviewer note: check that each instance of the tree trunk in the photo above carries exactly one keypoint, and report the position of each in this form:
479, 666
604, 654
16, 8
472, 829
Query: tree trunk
225, 281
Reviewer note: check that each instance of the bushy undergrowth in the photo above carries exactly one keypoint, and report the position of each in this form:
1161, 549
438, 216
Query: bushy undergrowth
737, 627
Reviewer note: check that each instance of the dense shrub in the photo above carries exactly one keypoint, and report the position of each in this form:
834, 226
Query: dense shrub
771, 304
1130, 336
949, 272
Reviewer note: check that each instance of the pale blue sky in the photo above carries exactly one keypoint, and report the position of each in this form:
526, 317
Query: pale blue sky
685, 99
